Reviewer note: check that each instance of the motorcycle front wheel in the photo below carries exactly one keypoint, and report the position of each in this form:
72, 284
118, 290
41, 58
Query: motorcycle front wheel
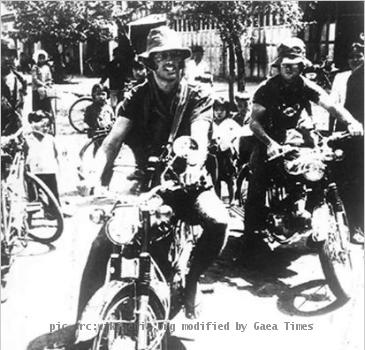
335, 254
120, 324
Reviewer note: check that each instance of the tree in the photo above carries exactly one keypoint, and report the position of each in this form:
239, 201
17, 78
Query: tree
55, 23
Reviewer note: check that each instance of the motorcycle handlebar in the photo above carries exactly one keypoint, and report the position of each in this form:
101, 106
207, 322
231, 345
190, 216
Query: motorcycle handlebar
284, 150
339, 135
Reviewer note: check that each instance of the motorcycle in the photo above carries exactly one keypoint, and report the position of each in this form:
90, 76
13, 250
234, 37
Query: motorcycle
146, 273
302, 199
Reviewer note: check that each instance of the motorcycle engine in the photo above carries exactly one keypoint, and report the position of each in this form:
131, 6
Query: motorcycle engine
285, 223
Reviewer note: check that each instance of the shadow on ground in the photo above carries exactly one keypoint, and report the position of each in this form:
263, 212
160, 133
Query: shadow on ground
262, 276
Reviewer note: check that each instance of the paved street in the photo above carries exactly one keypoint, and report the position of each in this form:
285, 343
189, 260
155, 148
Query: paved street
44, 284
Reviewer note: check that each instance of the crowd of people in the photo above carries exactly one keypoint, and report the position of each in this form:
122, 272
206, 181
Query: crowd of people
167, 98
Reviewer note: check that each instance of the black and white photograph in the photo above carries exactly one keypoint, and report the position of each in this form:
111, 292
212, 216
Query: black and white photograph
182, 175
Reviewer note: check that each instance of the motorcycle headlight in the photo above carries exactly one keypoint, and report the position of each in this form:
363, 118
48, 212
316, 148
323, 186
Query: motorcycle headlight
314, 172
123, 226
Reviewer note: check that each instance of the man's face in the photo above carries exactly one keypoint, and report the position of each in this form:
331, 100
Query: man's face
356, 60
290, 71
168, 64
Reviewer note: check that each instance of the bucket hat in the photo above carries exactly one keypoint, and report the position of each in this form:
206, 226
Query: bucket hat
291, 51
164, 39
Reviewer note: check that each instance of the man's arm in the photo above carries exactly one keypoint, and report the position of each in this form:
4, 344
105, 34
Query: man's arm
109, 149
340, 113
258, 112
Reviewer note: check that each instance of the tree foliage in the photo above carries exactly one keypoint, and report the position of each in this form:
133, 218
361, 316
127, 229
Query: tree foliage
63, 22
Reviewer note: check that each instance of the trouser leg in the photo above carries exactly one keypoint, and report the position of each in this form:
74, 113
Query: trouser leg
214, 220
95, 270
51, 181
255, 203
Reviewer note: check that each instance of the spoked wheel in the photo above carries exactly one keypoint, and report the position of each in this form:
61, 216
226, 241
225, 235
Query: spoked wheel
87, 155
335, 254
45, 219
76, 114
120, 328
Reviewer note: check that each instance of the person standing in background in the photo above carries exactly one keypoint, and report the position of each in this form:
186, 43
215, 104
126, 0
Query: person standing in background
355, 59
13, 90
350, 172
41, 81
42, 157
196, 69
117, 73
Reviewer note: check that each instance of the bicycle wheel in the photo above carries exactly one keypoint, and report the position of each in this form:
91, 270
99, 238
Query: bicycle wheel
87, 155
76, 114
45, 219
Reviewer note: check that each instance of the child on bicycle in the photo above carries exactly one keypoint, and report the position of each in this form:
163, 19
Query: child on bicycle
99, 115
42, 157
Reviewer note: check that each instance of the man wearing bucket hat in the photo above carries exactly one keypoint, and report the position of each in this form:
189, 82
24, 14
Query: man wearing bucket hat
277, 107
163, 107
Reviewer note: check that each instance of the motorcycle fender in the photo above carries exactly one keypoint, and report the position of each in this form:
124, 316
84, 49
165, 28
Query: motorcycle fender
92, 316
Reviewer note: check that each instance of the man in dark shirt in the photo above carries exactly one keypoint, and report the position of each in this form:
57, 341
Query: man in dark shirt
144, 123
351, 171
277, 107
13, 90
117, 73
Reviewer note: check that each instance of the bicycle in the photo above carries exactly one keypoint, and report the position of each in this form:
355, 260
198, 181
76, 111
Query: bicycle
76, 114
29, 209
85, 157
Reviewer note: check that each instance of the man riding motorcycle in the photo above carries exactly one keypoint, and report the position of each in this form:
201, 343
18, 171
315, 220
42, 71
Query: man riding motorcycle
277, 107
155, 112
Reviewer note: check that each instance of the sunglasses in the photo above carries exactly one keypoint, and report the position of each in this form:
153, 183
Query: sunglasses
168, 55
289, 65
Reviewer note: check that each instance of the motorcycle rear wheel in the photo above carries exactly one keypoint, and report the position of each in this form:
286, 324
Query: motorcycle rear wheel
335, 256
122, 312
